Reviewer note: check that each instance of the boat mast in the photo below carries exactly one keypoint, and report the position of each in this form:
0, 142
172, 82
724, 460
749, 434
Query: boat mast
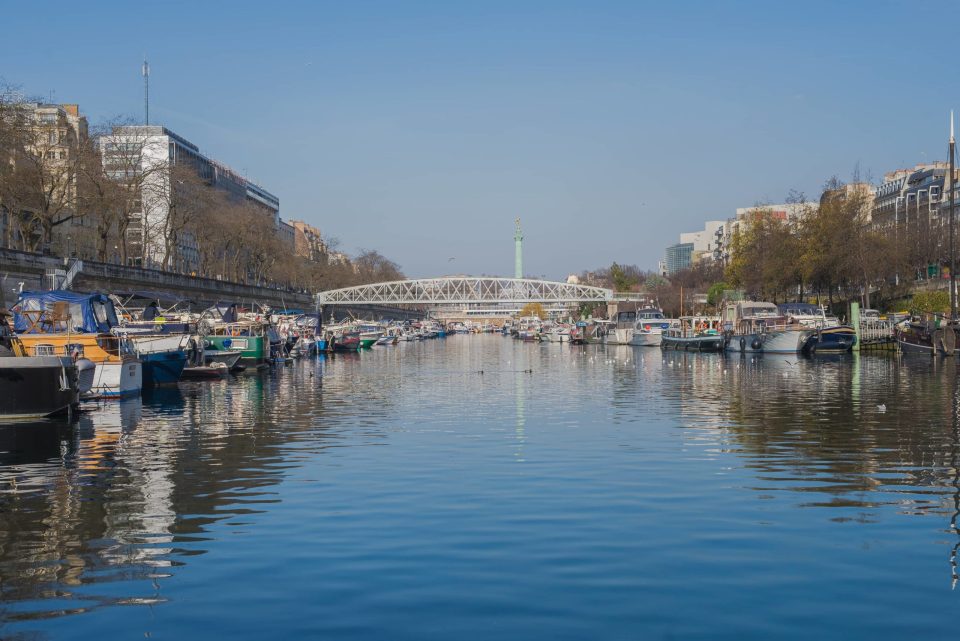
950, 195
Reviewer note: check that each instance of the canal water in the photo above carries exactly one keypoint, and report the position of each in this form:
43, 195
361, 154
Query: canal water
478, 487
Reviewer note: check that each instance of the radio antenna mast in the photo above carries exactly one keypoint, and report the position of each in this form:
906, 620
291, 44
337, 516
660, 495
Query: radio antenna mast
146, 90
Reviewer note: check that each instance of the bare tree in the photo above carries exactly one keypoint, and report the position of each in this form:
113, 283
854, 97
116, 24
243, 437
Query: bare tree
139, 167
38, 184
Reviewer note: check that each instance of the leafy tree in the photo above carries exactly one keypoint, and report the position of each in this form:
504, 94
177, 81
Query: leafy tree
765, 256
930, 302
715, 293
624, 279
655, 281
533, 309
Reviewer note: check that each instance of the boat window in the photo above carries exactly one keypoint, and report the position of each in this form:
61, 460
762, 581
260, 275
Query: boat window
105, 314
109, 344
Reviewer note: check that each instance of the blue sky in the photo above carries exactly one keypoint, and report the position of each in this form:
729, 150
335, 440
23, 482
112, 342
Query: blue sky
422, 129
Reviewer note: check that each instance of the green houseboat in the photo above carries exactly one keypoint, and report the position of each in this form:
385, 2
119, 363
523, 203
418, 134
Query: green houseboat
251, 338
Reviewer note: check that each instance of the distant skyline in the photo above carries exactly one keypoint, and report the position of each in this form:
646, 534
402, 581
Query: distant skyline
423, 129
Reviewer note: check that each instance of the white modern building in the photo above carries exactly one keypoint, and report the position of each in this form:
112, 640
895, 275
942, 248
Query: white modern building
146, 155
693, 247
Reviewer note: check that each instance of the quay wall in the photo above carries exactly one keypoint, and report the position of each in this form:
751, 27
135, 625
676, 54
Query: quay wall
30, 269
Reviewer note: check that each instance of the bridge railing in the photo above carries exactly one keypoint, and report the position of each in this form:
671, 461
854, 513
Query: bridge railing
464, 290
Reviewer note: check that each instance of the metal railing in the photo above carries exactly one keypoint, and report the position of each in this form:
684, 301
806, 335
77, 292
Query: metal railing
876, 331
464, 290
75, 269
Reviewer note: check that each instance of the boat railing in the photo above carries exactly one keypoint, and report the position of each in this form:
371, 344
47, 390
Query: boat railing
760, 327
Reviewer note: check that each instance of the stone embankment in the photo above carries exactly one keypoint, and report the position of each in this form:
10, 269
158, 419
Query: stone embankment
24, 270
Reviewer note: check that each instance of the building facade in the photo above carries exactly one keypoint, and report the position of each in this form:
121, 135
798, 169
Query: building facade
693, 247
787, 213
308, 242
52, 138
909, 195
147, 155
287, 234
678, 257
704, 241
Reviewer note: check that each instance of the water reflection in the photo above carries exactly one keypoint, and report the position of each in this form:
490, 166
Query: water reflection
860, 433
104, 511
130, 491
955, 465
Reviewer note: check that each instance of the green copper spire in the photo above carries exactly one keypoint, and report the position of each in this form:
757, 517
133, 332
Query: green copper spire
518, 265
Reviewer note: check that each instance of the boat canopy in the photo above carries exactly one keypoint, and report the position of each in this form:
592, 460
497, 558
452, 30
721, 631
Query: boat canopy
59, 309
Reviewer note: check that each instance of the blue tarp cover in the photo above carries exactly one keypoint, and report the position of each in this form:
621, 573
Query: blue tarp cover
92, 313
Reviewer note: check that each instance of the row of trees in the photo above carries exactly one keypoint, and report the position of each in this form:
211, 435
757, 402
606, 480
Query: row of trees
832, 251
73, 191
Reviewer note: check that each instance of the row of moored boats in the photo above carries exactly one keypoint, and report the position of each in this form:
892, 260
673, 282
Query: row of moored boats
58, 348
743, 326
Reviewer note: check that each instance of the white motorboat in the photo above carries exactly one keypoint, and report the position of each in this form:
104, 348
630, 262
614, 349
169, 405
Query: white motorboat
649, 327
620, 331
556, 334
753, 326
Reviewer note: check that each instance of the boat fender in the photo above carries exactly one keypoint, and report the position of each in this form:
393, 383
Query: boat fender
743, 344
756, 344
64, 379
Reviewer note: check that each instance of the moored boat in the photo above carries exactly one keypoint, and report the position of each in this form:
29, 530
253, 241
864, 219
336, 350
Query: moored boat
673, 339
252, 337
827, 335
34, 387
229, 358
162, 356
930, 337
694, 333
620, 331
649, 327
37, 386
754, 326
75, 325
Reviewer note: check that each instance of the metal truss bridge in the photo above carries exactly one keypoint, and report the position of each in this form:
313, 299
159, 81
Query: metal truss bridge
464, 291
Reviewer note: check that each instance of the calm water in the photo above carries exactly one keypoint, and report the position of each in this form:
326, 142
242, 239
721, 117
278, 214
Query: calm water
562, 493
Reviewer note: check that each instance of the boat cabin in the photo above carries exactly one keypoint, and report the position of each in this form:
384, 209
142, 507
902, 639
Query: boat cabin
807, 315
64, 323
625, 320
747, 317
